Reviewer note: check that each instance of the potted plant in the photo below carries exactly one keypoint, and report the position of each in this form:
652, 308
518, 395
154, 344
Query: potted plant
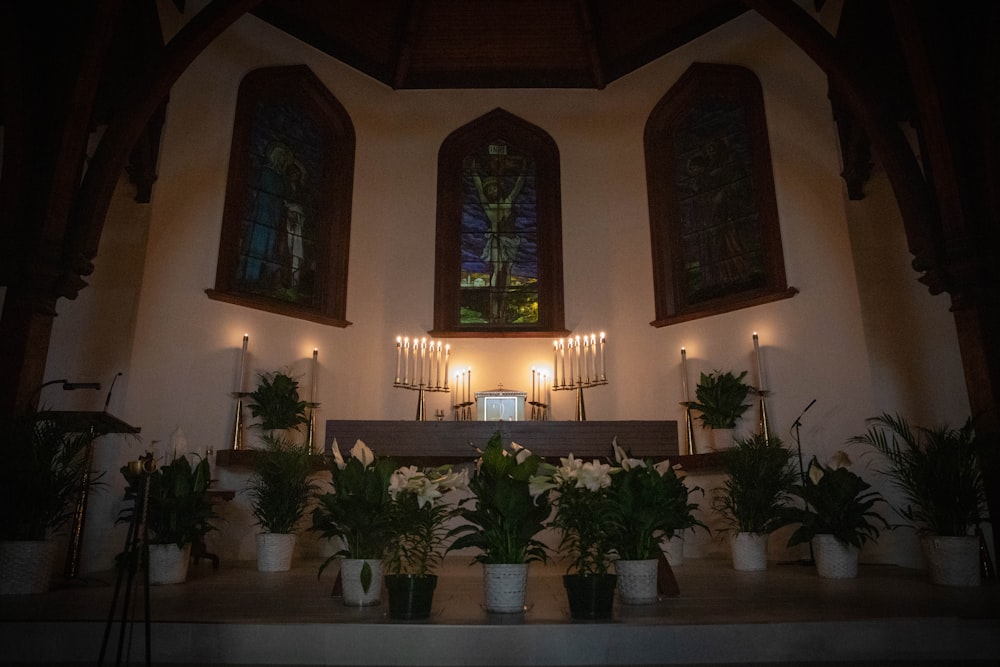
759, 477
419, 514
651, 501
43, 475
720, 400
837, 517
279, 484
503, 518
587, 520
938, 472
280, 489
178, 512
356, 511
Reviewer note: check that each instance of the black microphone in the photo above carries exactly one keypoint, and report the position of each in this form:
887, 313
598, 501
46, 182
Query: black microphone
107, 401
70, 386
798, 420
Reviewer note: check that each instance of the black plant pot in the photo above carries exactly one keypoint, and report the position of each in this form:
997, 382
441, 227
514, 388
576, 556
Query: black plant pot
410, 595
591, 597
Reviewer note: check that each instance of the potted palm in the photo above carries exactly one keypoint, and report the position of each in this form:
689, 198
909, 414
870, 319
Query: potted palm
503, 519
837, 516
720, 399
938, 472
587, 520
759, 477
178, 512
418, 517
356, 511
652, 501
279, 484
43, 475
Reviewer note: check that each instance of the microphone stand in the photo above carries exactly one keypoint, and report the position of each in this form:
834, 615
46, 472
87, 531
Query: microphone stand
796, 426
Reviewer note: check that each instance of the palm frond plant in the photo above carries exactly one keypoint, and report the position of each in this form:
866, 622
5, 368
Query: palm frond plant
280, 485
760, 475
936, 469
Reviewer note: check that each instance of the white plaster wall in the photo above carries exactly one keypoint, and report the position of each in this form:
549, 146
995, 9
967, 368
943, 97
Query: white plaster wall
185, 356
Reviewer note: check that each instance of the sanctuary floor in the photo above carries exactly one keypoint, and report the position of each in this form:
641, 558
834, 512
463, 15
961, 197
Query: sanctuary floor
786, 615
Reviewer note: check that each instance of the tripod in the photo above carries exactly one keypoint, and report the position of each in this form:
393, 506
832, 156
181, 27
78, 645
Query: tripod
134, 559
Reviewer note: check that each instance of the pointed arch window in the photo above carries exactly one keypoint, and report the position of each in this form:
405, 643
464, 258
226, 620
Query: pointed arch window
498, 264
713, 217
287, 217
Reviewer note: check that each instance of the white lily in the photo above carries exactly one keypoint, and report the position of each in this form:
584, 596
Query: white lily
401, 480
594, 475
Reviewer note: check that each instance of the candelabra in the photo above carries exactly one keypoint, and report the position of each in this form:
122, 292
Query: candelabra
419, 368
539, 392
421, 388
583, 367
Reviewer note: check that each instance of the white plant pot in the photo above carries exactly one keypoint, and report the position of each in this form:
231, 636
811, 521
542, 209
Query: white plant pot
27, 566
749, 551
168, 563
504, 587
834, 559
274, 551
355, 594
673, 550
952, 561
637, 581
721, 438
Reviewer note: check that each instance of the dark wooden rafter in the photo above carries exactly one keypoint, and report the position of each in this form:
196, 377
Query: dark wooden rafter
405, 50
596, 62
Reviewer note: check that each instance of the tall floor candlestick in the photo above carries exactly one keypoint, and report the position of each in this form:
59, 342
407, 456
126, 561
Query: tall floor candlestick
762, 425
688, 422
236, 437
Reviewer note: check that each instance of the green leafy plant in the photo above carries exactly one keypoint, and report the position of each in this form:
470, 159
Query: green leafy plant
585, 513
720, 398
419, 514
178, 508
279, 486
44, 472
936, 469
759, 478
503, 517
276, 402
652, 501
837, 502
357, 508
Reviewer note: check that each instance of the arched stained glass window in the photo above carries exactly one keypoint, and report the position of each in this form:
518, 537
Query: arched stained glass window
499, 244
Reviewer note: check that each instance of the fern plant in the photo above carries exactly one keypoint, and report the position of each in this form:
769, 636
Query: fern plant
760, 478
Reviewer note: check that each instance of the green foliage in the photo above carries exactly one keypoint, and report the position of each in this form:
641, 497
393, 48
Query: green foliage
651, 501
276, 402
279, 486
837, 502
418, 519
720, 398
937, 470
587, 519
505, 518
357, 508
178, 508
44, 472
760, 476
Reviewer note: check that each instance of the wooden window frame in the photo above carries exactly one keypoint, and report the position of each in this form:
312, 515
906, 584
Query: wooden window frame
700, 81
293, 85
498, 124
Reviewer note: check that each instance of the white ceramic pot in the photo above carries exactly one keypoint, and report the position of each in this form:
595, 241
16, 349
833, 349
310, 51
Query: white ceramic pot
952, 561
504, 587
274, 551
355, 593
168, 563
27, 566
722, 438
637, 581
834, 559
749, 551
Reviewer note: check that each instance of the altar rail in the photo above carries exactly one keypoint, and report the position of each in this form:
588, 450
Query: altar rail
434, 442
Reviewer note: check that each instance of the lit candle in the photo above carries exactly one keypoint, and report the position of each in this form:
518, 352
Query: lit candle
562, 350
593, 355
406, 360
604, 370
586, 358
399, 355
760, 369
533, 376
447, 356
468, 388
684, 375
243, 364
315, 374
423, 359
437, 366
579, 369
555, 359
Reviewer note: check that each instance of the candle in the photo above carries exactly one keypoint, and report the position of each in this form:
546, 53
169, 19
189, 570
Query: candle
423, 360
399, 355
315, 374
406, 360
458, 388
533, 377
579, 370
604, 370
684, 375
468, 388
593, 355
562, 350
243, 364
555, 358
586, 358
760, 369
447, 356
